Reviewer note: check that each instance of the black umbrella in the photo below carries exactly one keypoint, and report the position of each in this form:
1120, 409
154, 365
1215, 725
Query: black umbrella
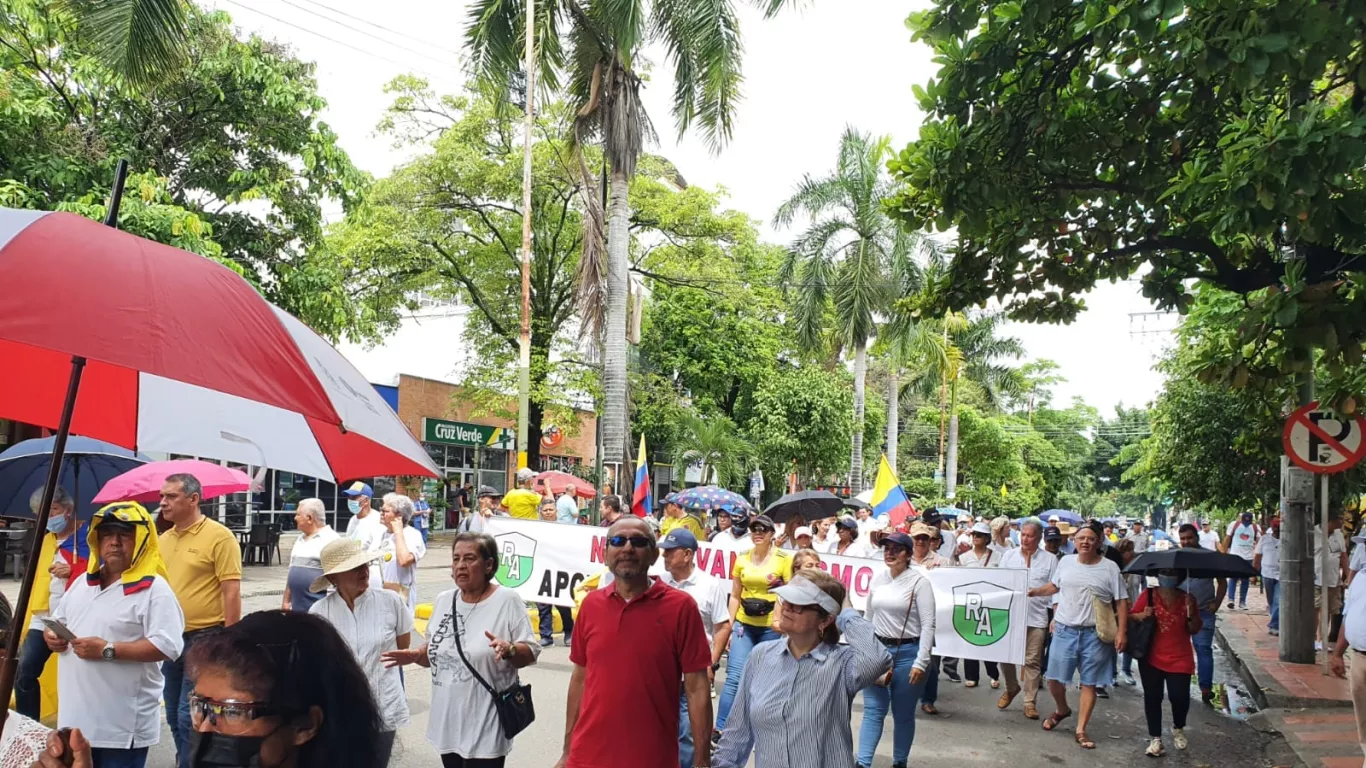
811, 505
854, 503
1198, 563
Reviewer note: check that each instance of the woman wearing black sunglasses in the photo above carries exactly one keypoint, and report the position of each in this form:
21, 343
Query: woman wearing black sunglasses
754, 576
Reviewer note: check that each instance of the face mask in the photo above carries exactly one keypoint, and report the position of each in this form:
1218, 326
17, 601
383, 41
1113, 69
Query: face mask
56, 524
354, 506
1169, 582
217, 749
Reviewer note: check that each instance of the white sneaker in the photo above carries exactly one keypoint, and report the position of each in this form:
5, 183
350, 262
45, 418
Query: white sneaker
1179, 738
1318, 646
1128, 680
1155, 748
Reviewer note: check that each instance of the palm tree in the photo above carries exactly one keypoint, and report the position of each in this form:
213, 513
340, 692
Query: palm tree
592, 47
713, 442
137, 39
851, 259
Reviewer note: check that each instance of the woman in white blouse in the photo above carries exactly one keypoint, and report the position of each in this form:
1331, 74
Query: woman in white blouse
982, 555
478, 630
372, 622
901, 608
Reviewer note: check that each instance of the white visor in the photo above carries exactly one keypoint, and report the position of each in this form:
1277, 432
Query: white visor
799, 591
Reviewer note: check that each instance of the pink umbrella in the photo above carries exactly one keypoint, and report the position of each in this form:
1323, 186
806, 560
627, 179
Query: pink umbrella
144, 483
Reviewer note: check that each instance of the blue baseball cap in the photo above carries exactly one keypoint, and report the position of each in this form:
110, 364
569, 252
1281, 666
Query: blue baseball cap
679, 538
359, 489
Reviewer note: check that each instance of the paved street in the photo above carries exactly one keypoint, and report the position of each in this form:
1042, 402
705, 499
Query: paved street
970, 730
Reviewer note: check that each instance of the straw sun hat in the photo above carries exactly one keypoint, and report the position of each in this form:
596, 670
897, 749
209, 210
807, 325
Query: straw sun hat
340, 556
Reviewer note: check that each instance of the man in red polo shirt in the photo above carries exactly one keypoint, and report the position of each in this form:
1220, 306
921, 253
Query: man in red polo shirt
633, 643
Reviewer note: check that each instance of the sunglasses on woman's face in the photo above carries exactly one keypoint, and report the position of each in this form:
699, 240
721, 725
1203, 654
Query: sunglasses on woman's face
760, 529
639, 542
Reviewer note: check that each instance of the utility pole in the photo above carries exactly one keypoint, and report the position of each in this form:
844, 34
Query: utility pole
524, 342
1297, 548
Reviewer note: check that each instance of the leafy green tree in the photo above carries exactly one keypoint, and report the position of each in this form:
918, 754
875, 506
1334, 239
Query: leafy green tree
140, 40
1069, 143
846, 266
715, 444
801, 421
592, 48
233, 134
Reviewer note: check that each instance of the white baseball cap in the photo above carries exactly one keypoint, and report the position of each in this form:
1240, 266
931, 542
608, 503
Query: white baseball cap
801, 531
982, 528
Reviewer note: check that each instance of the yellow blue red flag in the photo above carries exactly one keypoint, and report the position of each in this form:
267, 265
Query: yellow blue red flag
888, 496
642, 500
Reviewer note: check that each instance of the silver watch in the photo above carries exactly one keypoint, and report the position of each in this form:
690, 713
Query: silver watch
108, 653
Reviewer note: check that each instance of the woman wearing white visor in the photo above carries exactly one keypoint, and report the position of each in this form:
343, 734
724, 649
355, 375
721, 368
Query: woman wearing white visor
794, 700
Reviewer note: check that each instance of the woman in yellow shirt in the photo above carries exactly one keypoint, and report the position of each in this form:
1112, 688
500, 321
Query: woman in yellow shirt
755, 575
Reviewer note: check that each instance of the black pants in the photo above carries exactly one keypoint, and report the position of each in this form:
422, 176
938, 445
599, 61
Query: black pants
452, 760
1178, 693
545, 610
972, 670
386, 746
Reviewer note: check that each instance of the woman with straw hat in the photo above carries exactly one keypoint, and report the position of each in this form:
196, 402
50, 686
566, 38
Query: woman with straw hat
372, 622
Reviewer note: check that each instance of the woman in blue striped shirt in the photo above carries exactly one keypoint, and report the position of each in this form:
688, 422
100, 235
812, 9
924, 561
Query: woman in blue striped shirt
793, 705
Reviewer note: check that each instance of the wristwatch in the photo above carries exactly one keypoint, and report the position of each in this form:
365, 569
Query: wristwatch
108, 653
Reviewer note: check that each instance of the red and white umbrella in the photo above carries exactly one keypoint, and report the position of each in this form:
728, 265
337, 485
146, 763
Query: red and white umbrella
182, 356
556, 482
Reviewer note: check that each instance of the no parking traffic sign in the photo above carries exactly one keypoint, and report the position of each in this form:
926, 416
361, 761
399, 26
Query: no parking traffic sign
1323, 442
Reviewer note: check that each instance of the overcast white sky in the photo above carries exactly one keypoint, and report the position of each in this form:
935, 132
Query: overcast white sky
808, 74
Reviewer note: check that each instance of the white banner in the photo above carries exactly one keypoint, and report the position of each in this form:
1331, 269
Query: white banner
981, 612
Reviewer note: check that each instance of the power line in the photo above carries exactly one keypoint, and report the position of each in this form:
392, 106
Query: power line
359, 31
357, 49
382, 27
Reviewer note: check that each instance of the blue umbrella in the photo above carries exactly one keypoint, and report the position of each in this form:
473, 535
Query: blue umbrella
1065, 515
712, 497
953, 512
86, 467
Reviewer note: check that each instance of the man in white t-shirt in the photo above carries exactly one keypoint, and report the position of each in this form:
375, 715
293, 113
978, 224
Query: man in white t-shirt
678, 548
365, 526
1266, 558
1241, 540
1208, 538
1329, 585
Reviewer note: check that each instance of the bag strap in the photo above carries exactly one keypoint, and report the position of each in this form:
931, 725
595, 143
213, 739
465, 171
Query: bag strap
901, 636
460, 650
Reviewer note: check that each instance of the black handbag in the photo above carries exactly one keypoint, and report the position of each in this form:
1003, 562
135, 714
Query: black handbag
514, 706
1141, 631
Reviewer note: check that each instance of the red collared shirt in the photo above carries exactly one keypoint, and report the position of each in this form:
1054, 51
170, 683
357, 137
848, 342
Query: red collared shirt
635, 655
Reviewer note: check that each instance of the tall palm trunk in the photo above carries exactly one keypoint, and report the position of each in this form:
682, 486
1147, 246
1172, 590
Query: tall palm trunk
856, 449
615, 427
951, 473
893, 415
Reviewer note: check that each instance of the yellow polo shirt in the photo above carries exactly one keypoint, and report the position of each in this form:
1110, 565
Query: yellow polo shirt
686, 521
523, 503
198, 560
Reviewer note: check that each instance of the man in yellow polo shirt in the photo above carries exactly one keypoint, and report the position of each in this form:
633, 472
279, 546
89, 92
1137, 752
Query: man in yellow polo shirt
521, 501
677, 517
204, 568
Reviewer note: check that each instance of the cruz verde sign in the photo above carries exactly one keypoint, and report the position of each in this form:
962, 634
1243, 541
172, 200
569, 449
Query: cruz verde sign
460, 433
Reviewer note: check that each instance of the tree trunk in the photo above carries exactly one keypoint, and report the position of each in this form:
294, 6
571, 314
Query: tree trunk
893, 416
856, 449
615, 419
951, 453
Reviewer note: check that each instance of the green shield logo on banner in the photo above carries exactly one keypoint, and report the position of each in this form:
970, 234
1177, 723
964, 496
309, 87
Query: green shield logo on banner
516, 556
981, 612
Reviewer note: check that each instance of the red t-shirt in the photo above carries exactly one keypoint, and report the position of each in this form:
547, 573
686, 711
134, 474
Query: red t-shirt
1171, 649
635, 656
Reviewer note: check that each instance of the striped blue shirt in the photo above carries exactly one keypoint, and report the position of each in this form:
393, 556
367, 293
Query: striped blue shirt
794, 713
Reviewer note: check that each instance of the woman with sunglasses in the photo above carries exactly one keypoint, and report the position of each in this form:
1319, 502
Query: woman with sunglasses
810, 730
371, 621
479, 631
901, 608
754, 576
924, 553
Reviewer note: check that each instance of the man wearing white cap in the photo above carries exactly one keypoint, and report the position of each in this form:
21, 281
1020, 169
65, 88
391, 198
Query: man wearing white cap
365, 526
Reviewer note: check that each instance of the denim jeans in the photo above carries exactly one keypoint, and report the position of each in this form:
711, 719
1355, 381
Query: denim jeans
742, 641
33, 656
1273, 590
1204, 651
104, 757
901, 698
177, 689
1238, 585
685, 747
546, 613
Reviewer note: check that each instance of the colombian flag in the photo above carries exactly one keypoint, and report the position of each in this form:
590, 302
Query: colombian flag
888, 497
642, 502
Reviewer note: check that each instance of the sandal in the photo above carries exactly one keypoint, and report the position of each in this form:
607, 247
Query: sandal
1031, 711
1052, 720
970, 684
929, 709
1084, 741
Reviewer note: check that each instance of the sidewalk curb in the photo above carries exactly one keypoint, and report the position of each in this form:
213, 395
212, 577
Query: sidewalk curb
1264, 689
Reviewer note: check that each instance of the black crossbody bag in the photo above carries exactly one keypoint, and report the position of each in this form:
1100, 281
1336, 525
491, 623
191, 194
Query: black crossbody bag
514, 706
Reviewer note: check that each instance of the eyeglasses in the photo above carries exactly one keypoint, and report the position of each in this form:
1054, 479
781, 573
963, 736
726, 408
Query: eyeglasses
639, 542
227, 714
800, 608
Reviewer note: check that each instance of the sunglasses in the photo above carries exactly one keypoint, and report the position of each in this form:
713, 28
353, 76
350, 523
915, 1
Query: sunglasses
639, 542
800, 608
760, 529
227, 713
